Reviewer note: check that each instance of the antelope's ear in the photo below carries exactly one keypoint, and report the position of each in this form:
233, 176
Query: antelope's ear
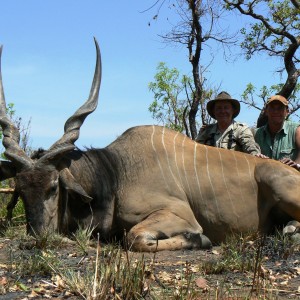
74, 188
7, 170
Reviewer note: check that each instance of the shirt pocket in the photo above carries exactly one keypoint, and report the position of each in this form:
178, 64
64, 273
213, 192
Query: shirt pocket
287, 153
228, 144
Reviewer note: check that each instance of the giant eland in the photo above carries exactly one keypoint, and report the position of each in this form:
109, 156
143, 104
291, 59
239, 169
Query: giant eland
164, 190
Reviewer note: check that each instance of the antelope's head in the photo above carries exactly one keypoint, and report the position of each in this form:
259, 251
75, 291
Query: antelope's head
39, 180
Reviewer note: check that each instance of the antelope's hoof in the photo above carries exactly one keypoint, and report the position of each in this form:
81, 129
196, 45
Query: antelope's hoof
205, 242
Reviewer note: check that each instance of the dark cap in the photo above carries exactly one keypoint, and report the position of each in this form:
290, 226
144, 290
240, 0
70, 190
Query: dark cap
223, 96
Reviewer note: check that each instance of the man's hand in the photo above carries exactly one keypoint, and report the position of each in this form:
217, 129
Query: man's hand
260, 155
291, 163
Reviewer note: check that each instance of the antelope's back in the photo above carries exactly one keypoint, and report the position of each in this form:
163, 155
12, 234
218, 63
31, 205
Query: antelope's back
218, 184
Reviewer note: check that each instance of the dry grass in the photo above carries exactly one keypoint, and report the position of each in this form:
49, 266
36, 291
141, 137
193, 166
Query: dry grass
245, 267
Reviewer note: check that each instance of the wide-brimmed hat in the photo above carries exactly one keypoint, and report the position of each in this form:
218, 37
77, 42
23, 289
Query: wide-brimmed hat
279, 98
223, 96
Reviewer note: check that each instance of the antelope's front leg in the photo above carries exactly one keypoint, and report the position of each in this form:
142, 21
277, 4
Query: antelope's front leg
165, 230
11, 205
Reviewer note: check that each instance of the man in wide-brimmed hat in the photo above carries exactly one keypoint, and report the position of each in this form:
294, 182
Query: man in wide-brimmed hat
279, 138
226, 132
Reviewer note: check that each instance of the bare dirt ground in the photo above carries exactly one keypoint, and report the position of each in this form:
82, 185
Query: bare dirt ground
211, 272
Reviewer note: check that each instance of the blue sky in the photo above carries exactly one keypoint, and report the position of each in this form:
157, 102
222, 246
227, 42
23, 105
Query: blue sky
48, 62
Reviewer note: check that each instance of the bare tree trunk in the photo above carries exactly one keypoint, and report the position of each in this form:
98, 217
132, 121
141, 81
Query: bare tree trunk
195, 38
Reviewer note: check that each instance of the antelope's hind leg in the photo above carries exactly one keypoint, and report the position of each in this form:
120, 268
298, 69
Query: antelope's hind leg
165, 230
279, 187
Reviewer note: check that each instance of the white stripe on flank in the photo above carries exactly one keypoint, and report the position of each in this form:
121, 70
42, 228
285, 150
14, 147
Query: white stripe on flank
183, 163
168, 162
157, 158
175, 156
228, 192
211, 185
198, 181
238, 175
251, 176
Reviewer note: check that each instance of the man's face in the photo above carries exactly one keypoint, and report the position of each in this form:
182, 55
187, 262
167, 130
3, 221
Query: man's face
223, 111
276, 112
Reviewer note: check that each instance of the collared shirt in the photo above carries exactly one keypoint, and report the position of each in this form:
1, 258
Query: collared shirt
237, 136
282, 146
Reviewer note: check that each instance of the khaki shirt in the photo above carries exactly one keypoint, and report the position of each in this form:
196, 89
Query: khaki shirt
237, 136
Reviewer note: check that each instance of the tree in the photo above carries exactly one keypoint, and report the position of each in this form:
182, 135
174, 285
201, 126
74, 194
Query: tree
23, 127
167, 108
7, 186
172, 98
250, 94
275, 31
196, 28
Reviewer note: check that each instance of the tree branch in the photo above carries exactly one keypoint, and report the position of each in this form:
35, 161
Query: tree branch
296, 3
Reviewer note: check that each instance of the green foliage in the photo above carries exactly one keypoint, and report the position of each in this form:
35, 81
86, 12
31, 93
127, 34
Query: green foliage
238, 254
24, 130
169, 104
253, 97
249, 95
35, 262
11, 113
274, 38
82, 237
274, 31
18, 212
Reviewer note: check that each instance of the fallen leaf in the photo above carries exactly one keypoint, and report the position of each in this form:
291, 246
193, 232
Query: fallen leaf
3, 281
272, 278
264, 272
202, 283
165, 276
194, 269
3, 266
284, 282
297, 270
33, 294
67, 294
72, 255
59, 282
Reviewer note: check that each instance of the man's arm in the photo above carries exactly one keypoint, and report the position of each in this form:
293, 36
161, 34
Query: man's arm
297, 141
296, 163
246, 140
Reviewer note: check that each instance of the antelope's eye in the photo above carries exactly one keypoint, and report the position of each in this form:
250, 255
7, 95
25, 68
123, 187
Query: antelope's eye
53, 187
